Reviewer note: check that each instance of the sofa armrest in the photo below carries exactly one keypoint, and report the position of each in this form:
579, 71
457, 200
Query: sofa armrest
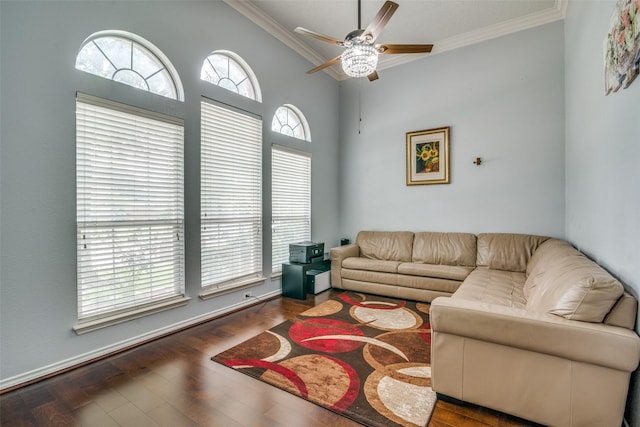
593, 343
337, 255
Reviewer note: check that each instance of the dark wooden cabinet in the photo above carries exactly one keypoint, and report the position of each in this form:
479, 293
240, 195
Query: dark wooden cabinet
294, 277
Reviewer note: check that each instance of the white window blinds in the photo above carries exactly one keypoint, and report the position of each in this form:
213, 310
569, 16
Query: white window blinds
291, 202
129, 185
230, 197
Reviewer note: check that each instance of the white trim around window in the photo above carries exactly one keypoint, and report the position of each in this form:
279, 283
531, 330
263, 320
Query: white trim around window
291, 202
130, 212
230, 198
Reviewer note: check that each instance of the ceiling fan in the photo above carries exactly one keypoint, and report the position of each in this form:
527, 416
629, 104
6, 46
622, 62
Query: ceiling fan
360, 57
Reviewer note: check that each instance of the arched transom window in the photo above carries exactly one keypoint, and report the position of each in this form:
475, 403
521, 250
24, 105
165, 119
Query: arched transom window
227, 70
288, 120
129, 59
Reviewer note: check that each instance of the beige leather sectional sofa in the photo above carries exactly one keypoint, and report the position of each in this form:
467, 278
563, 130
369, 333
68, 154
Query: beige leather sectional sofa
523, 324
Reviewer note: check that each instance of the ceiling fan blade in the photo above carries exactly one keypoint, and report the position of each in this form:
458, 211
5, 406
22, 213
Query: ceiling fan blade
373, 76
404, 48
319, 36
325, 65
376, 26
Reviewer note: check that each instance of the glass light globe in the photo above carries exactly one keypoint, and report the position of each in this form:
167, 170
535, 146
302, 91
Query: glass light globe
359, 60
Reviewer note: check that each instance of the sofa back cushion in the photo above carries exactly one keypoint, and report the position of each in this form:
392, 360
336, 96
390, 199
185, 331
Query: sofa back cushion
504, 251
444, 248
545, 255
386, 245
566, 283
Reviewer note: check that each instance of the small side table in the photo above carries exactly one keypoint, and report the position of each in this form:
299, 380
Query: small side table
294, 277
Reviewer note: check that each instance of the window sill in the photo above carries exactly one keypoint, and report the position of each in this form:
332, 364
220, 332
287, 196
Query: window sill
84, 326
214, 292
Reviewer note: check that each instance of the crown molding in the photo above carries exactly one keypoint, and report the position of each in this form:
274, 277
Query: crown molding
260, 18
483, 34
267, 23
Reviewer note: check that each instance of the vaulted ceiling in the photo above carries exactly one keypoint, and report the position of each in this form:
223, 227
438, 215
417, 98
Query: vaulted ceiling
447, 24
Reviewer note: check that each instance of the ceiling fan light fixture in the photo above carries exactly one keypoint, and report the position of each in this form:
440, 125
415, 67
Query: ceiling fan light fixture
360, 57
359, 60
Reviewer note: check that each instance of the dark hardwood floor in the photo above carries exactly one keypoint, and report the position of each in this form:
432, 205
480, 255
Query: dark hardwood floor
173, 382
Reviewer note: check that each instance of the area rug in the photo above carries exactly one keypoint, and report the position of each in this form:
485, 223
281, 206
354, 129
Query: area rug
362, 356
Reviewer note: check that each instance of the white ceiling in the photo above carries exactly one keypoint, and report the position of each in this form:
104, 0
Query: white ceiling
447, 24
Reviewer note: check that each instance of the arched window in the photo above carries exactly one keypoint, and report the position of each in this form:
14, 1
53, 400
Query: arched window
129, 59
288, 120
227, 70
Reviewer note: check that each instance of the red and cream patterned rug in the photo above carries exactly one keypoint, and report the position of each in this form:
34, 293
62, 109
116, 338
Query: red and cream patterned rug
365, 357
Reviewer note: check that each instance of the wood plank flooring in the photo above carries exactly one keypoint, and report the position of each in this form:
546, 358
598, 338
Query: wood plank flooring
172, 382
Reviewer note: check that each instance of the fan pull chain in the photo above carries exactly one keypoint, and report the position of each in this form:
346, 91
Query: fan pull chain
360, 107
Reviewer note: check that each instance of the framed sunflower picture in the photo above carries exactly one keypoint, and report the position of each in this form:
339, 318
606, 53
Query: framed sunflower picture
428, 156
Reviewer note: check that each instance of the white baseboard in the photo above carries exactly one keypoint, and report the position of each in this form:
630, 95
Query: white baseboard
71, 362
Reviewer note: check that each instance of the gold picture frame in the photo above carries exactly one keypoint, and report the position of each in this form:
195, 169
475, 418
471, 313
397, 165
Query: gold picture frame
428, 156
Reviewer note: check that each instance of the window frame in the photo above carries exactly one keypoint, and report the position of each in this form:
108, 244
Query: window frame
146, 45
209, 158
88, 218
276, 263
302, 120
242, 65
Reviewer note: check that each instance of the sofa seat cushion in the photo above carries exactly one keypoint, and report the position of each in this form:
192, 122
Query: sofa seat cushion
452, 272
494, 287
370, 276
444, 248
445, 286
429, 283
385, 245
359, 263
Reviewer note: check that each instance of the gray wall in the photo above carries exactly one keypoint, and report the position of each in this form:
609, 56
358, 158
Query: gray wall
504, 102
602, 152
38, 251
